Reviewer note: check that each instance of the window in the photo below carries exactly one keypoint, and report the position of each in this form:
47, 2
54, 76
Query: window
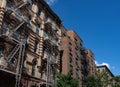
27, 18
30, 1
46, 18
34, 62
10, 3
1, 51
6, 28
6, 24
71, 67
76, 51
76, 73
75, 40
83, 77
63, 35
71, 57
39, 11
37, 29
76, 61
36, 46
82, 67
69, 37
70, 46
33, 69
26, 38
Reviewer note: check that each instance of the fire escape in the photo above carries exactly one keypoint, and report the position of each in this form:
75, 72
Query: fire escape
12, 62
50, 54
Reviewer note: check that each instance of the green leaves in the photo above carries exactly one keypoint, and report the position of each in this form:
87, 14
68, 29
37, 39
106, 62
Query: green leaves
66, 80
92, 81
100, 80
116, 81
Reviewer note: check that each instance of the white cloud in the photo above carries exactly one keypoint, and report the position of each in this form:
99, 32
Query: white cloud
50, 2
102, 64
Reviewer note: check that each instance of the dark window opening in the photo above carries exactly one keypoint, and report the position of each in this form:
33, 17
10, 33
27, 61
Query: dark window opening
34, 62
37, 29
71, 57
71, 67
76, 61
25, 38
39, 12
36, 46
33, 70
1, 51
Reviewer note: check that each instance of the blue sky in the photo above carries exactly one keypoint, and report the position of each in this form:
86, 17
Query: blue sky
97, 22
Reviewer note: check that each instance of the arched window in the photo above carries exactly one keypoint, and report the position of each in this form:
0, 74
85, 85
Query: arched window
34, 62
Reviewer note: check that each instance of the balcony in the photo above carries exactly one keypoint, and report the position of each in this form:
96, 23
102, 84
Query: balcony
50, 40
4, 32
45, 56
16, 12
50, 30
50, 57
36, 19
54, 59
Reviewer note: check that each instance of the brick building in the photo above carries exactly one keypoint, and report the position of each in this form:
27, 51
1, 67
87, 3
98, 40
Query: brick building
29, 43
34, 44
75, 57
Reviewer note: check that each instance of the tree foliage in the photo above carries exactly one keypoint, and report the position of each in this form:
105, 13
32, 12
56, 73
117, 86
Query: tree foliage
66, 80
116, 81
101, 79
104, 78
92, 81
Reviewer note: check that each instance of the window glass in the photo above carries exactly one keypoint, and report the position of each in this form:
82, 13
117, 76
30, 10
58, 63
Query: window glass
36, 46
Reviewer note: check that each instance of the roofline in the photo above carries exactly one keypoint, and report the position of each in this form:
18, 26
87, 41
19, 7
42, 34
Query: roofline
76, 34
50, 10
90, 51
106, 68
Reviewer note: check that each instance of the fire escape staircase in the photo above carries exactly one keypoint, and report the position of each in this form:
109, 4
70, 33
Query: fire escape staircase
19, 48
13, 53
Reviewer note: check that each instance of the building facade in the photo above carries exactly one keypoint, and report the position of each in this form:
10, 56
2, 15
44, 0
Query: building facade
70, 45
108, 75
88, 62
29, 43
34, 44
75, 57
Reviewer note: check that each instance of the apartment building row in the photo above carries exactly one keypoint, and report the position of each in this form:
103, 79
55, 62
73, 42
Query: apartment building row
34, 45
75, 57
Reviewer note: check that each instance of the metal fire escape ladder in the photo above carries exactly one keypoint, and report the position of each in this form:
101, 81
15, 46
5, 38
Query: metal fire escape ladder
21, 5
18, 26
20, 64
19, 49
12, 53
48, 71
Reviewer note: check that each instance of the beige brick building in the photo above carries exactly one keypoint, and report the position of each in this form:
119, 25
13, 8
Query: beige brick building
103, 69
29, 43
